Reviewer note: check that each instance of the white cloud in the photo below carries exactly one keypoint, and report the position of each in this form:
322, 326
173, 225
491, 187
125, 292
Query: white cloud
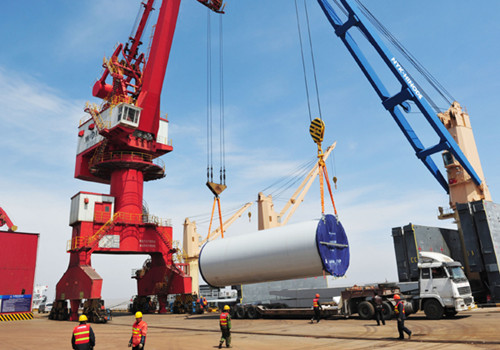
36, 120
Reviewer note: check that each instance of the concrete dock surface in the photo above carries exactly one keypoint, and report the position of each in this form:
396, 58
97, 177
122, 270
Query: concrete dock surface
475, 329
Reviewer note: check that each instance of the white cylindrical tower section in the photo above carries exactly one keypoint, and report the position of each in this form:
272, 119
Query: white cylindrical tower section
281, 253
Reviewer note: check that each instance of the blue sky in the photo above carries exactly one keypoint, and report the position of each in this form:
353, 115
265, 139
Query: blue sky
52, 53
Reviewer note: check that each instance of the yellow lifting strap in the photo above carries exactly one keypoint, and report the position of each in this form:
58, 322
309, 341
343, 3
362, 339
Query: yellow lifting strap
317, 130
216, 200
216, 189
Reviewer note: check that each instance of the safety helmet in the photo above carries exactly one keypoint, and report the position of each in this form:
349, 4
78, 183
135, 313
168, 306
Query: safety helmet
83, 318
317, 295
397, 297
138, 314
226, 307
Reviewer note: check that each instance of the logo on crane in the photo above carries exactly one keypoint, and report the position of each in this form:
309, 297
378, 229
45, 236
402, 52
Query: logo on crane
407, 78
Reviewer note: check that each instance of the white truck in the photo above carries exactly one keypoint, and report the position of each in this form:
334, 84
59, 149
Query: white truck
443, 288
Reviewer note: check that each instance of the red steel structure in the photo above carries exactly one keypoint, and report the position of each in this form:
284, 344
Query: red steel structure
119, 145
5, 220
18, 252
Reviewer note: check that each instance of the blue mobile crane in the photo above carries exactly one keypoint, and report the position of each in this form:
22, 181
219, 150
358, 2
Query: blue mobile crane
476, 215
397, 104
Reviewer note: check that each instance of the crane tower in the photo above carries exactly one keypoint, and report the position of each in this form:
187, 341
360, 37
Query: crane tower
119, 144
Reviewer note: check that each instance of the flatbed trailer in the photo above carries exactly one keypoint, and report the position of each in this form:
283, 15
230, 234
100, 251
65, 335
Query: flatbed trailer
266, 312
278, 310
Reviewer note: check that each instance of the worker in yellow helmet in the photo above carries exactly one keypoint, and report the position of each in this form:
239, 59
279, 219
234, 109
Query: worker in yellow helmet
83, 337
139, 331
225, 327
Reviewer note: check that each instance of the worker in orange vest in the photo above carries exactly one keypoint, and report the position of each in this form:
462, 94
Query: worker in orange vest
139, 331
225, 327
83, 337
202, 301
317, 309
399, 309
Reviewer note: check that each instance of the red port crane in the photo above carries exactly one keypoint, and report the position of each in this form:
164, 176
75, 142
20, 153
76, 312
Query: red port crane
119, 145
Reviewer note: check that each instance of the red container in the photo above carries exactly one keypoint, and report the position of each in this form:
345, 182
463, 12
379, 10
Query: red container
17, 262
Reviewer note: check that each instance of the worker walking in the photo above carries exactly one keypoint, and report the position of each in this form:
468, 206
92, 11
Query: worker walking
400, 313
139, 331
225, 327
379, 309
83, 337
317, 309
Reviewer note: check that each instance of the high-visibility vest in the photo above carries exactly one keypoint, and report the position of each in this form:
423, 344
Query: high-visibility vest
223, 319
315, 302
138, 330
396, 309
82, 334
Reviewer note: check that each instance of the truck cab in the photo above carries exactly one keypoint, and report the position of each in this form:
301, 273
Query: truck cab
443, 287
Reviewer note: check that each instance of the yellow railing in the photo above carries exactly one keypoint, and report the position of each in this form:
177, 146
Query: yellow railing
93, 110
104, 228
98, 153
75, 243
133, 218
119, 217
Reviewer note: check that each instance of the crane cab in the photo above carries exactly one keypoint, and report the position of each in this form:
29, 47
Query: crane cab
128, 115
122, 114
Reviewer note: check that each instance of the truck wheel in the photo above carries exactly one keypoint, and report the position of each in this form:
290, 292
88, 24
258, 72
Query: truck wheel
366, 310
387, 310
241, 312
433, 309
252, 312
450, 313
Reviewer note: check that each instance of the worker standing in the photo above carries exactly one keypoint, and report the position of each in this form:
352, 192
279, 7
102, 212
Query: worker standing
225, 327
379, 309
139, 331
83, 337
317, 309
400, 313
202, 301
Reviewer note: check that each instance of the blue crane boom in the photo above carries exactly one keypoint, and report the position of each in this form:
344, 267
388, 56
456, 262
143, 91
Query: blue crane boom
397, 103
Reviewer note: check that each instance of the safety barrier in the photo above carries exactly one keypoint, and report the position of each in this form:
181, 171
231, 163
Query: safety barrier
18, 316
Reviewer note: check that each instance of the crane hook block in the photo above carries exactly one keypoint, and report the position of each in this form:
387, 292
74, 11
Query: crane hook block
216, 188
317, 130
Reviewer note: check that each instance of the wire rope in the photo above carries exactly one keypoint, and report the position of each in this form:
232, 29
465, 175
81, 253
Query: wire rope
209, 101
312, 59
222, 121
307, 164
303, 61
440, 89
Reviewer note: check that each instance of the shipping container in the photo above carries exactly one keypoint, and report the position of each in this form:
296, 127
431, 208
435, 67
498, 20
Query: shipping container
18, 252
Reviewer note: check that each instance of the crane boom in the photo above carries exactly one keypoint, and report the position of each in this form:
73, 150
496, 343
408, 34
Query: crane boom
5, 220
149, 96
301, 191
268, 217
398, 102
